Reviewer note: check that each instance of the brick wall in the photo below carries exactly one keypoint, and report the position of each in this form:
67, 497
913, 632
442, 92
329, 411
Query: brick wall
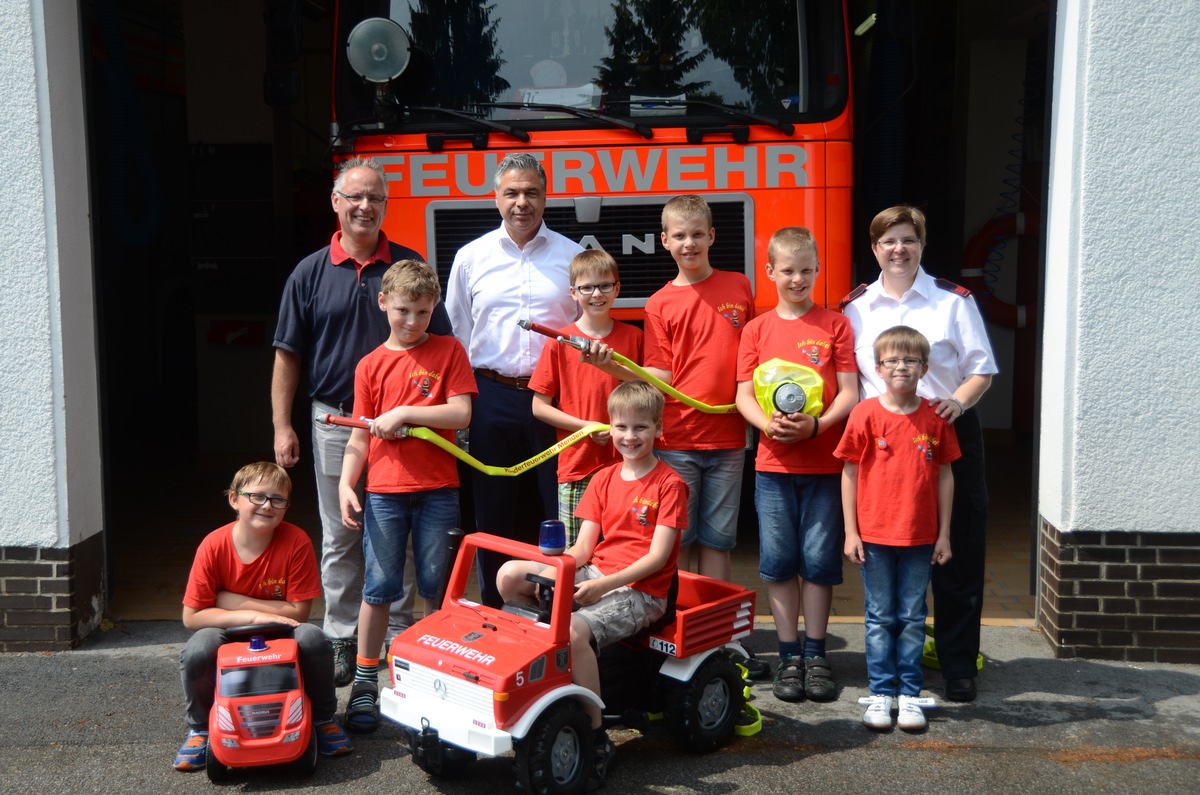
1120, 596
50, 598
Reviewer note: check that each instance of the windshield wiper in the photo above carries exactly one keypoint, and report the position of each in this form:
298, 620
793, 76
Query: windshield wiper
582, 113
515, 132
787, 128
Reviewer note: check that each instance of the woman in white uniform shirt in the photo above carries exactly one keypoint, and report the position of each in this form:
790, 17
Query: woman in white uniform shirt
961, 365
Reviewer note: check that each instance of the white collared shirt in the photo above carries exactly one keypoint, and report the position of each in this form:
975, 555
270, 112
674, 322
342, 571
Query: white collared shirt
952, 324
493, 284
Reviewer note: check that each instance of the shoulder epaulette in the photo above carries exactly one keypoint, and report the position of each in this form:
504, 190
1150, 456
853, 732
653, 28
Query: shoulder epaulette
850, 296
957, 289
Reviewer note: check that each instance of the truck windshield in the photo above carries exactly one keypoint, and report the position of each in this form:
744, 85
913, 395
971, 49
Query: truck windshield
652, 61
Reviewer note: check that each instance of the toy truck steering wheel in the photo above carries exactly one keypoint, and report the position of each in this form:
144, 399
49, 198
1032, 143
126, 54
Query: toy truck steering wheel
274, 629
546, 591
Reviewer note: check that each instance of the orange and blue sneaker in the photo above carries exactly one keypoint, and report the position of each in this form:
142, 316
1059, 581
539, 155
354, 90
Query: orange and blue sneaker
193, 754
331, 739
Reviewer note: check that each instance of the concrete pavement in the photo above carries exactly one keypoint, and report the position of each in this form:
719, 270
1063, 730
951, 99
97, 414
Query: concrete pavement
107, 718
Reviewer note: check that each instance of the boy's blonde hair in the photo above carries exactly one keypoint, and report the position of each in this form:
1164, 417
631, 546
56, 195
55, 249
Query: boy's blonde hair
270, 473
636, 397
900, 214
689, 205
904, 340
411, 279
791, 240
593, 262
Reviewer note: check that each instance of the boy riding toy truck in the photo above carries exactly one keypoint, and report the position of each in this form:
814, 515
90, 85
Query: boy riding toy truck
470, 679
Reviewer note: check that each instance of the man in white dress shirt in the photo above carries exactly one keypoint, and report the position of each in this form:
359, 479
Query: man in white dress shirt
519, 271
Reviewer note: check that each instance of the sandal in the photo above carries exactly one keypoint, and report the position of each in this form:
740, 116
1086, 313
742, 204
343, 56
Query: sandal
361, 712
818, 680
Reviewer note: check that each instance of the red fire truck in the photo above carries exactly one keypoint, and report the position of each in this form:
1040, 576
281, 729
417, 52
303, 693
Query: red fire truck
627, 104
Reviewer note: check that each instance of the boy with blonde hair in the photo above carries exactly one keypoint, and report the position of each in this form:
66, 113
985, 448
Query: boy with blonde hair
797, 480
627, 549
568, 393
693, 325
414, 378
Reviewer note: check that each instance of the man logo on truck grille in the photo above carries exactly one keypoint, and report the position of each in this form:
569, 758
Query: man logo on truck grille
472, 636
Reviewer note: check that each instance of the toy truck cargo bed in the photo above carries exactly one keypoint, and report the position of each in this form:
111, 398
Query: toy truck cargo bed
708, 613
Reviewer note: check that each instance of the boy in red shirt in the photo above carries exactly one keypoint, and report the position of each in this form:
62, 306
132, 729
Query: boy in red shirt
897, 489
258, 569
693, 324
568, 394
797, 483
413, 378
627, 550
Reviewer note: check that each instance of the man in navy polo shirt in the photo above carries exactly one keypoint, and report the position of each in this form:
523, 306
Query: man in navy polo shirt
329, 318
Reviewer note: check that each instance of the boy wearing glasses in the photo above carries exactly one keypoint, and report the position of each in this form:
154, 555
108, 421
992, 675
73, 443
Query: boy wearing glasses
414, 378
258, 569
568, 394
897, 489
797, 481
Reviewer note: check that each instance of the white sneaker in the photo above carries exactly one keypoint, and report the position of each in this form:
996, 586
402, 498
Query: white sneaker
879, 712
910, 717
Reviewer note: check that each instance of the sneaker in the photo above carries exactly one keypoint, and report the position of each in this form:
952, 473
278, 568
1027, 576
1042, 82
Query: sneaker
789, 679
879, 712
331, 740
818, 680
911, 718
345, 652
362, 711
602, 758
193, 754
755, 668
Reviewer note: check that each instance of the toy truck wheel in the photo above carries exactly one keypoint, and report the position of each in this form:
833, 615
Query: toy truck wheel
306, 764
702, 712
217, 772
556, 756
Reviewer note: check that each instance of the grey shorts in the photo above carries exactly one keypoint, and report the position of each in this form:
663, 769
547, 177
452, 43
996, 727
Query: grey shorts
620, 613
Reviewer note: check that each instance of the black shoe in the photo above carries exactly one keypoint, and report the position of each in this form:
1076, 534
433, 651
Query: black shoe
960, 689
602, 757
756, 668
789, 680
818, 680
345, 661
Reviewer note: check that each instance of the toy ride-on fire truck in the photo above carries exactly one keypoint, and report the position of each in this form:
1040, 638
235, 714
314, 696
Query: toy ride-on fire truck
471, 679
260, 714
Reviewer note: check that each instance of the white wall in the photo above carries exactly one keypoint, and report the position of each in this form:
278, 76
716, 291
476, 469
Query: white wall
50, 492
1120, 376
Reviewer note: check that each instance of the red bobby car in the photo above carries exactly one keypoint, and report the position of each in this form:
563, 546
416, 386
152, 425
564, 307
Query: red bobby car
261, 714
471, 679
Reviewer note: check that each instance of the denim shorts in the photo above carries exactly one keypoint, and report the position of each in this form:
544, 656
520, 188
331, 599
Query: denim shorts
388, 519
714, 481
800, 527
620, 613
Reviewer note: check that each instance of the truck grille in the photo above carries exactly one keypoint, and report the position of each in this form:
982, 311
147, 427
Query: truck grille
627, 227
260, 720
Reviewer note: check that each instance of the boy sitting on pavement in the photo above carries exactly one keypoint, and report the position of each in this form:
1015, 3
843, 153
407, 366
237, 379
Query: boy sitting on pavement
797, 479
627, 550
897, 489
568, 394
258, 569
413, 378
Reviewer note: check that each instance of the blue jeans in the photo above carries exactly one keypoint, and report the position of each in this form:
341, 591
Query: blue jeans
800, 527
714, 481
894, 583
388, 520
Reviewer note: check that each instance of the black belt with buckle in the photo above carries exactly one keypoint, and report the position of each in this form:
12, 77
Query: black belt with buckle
520, 381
